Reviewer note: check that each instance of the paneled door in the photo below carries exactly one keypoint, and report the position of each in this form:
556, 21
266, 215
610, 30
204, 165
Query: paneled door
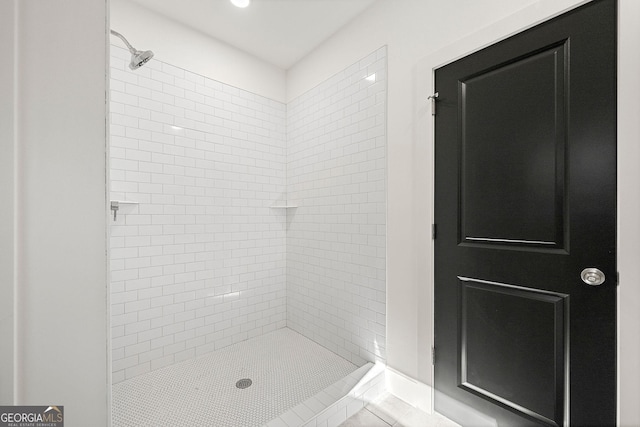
525, 213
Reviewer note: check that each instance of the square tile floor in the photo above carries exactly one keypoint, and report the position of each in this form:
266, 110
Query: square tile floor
388, 410
285, 367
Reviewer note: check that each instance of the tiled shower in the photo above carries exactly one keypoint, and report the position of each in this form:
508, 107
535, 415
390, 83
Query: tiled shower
199, 262
239, 215
335, 247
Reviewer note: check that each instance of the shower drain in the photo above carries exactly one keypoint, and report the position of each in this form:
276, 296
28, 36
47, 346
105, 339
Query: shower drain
244, 383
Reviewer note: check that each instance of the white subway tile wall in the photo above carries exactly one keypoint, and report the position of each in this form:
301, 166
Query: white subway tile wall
199, 263
203, 261
336, 237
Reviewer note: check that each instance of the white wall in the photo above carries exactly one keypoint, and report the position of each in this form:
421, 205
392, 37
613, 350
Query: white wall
199, 263
421, 35
61, 317
7, 195
629, 211
177, 44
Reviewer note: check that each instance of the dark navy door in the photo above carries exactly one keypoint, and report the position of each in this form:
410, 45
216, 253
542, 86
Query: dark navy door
525, 210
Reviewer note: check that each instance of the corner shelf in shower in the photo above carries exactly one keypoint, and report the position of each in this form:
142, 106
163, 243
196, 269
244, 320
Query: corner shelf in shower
283, 206
115, 205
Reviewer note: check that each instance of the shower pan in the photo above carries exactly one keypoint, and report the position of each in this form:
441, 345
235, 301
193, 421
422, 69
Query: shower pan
277, 376
210, 285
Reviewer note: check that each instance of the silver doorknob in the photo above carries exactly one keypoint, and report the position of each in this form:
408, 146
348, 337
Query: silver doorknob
592, 276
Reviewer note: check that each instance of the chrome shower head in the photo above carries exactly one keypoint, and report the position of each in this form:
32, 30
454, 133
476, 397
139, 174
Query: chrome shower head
138, 57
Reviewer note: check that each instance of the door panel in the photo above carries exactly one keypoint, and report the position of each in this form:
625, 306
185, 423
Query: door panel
525, 190
527, 376
513, 174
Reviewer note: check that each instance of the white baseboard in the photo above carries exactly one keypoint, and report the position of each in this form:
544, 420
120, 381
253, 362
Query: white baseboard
410, 390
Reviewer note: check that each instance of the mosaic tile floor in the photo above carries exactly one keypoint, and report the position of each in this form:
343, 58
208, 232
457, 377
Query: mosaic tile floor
285, 368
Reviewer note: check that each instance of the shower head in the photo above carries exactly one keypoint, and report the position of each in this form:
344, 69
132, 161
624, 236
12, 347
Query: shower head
138, 57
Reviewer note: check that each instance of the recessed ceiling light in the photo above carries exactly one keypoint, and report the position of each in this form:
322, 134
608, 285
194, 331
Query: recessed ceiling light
241, 3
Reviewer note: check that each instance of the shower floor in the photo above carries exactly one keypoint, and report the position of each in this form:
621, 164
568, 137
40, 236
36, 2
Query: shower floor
285, 369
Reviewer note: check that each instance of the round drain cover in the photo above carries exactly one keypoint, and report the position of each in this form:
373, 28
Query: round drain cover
244, 383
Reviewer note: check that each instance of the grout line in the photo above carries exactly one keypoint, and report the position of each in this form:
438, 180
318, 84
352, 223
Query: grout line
366, 409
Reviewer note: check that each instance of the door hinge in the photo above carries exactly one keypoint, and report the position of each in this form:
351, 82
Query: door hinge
433, 99
617, 278
433, 231
433, 355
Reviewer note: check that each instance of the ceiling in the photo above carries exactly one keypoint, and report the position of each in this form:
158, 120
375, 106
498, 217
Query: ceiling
280, 32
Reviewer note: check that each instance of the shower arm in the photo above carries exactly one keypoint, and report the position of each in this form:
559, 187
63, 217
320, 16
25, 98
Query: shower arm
121, 37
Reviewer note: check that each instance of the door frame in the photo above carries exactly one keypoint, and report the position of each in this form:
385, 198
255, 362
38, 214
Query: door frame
628, 243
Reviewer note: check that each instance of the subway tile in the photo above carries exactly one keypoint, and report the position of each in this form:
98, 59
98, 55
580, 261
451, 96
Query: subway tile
137, 90
133, 154
123, 97
185, 84
151, 313
121, 122
164, 118
136, 284
162, 77
134, 327
123, 76
352, 127
149, 356
173, 71
137, 112
148, 83
125, 363
136, 349
185, 103
207, 189
163, 97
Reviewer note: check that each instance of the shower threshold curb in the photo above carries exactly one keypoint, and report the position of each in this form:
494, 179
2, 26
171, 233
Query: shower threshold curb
333, 405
